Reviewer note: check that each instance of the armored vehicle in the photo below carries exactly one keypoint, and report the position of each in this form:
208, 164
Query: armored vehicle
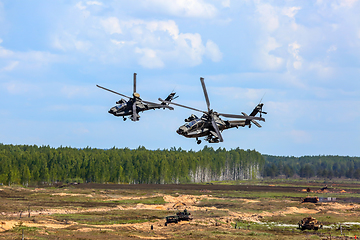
310, 223
183, 216
180, 216
311, 199
171, 219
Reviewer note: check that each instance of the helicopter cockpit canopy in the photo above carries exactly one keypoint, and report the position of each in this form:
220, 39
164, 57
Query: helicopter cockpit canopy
193, 123
121, 101
119, 106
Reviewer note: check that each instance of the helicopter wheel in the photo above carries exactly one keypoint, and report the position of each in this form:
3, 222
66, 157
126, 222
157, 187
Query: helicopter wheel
124, 119
198, 141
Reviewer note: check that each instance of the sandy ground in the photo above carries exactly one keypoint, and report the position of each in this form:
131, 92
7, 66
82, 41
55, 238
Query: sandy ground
173, 203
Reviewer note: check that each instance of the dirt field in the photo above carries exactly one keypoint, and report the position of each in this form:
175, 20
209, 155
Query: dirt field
124, 211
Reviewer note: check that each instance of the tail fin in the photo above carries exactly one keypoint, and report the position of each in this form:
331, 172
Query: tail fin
170, 98
257, 109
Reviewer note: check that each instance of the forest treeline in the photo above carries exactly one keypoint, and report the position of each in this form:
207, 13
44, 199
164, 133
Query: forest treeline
23, 164
312, 166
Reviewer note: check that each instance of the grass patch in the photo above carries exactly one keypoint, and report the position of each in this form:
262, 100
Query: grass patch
113, 217
147, 201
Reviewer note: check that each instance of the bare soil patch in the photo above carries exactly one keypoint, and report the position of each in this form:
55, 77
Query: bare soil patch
95, 211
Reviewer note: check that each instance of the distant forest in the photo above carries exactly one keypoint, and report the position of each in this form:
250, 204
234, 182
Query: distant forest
23, 164
312, 166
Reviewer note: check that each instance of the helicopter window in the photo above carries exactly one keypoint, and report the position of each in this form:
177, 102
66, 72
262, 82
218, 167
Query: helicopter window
192, 123
118, 106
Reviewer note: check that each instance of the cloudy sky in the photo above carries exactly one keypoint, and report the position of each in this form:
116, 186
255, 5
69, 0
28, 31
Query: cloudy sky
301, 57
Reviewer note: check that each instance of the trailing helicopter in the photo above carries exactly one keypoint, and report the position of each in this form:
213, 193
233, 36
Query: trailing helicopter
135, 104
210, 125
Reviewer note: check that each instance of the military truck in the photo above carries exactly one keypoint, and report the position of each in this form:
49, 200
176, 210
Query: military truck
310, 223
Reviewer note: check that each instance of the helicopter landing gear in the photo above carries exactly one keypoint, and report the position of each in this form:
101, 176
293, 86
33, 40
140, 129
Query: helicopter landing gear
124, 119
198, 141
211, 139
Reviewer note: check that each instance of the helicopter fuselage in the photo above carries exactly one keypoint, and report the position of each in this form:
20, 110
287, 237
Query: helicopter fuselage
200, 127
123, 108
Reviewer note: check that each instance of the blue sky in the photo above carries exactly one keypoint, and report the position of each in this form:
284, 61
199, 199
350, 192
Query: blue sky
302, 56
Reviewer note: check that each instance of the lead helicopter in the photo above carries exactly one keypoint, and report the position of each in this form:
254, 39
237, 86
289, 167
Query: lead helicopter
135, 104
210, 125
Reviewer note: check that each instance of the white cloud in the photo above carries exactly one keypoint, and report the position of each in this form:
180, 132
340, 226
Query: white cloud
10, 66
169, 26
111, 25
213, 51
268, 16
343, 3
322, 69
94, 3
294, 51
225, 3
160, 42
66, 41
80, 6
71, 91
184, 8
19, 88
149, 58
246, 94
332, 48
264, 59
191, 45
122, 43
291, 11
4, 53
30, 59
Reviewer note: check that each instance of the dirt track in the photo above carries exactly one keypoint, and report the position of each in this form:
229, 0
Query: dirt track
254, 188
190, 187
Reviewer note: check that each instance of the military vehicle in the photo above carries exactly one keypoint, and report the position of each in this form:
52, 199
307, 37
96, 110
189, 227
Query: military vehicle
171, 219
183, 216
180, 216
210, 125
135, 104
311, 199
309, 223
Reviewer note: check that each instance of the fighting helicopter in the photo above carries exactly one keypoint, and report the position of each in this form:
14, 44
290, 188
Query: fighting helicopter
135, 104
210, 125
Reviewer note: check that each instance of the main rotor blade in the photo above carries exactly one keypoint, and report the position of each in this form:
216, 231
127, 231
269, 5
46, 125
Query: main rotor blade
205, 93
134, 111
242, 116
134, 83
112, 91
182, 106
216, 129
